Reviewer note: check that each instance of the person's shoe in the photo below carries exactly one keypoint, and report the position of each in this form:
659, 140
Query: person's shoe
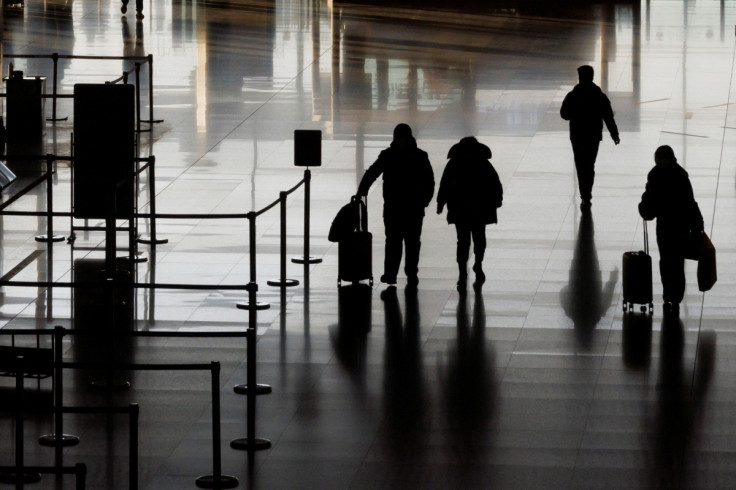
388, 280
671, 308
480, 276
412, 281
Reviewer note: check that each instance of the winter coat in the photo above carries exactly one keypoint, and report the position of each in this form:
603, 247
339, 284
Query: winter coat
587, 108
669, 198
470, 185
408, 179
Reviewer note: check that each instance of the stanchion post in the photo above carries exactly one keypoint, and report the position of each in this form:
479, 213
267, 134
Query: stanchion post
151, 120
58, 438
80, 470
49, 237
20, 477
306, 259
153, 239
54, 57
217, 479
283, 281
252, 306
55, 90
150, 90
251, 443
137, 97
133, 449
252, 286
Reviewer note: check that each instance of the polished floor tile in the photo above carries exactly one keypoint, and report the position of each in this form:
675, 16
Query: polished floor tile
537, 380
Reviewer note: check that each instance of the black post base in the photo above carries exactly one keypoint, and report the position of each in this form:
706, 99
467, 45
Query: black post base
306, 260
245, 305
208, 481
260, 389
64, 441
14, 478
286, 283
48, 239
243, 444
151, 241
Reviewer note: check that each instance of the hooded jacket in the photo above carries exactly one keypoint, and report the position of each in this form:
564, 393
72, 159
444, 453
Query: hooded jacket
470, 185
408, 179
669, 198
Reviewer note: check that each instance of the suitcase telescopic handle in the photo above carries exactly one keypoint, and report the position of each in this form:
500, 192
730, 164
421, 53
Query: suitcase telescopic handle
646, 238
362, 211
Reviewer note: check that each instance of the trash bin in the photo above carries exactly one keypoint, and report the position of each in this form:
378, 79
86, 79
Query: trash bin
25, 115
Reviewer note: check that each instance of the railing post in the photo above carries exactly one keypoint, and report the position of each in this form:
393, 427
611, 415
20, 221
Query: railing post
252, 288
54, 89
20, 476
138, 97
49, 237
153, 239
133, 449
283, 281
251, 443
151, 120
80, 470
217, 479
306, 258
58, 439
253, 285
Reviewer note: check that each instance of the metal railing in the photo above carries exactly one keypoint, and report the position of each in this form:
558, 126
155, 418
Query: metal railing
139, 60
59, 440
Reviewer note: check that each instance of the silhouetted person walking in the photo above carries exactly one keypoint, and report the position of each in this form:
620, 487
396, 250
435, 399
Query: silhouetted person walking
669, 198
408, 187
587, 108
472, 191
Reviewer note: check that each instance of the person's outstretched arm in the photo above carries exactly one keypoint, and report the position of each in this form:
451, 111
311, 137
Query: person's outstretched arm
428, 181
370, 176
445, 185
609, 120
566, 111
648, 204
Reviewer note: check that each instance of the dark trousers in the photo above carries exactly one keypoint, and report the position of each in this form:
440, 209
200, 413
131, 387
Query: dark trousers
585, 154
672, 271
464, 233
402, 232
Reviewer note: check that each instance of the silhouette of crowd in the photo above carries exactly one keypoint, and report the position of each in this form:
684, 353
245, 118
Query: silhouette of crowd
471, 190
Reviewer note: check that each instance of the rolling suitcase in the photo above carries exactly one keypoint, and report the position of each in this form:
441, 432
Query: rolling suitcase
355, 250
637, 267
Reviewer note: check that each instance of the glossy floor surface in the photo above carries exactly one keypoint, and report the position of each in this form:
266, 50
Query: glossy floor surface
537, 380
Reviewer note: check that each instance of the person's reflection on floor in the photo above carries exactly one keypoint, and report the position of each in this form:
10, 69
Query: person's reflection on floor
348, 337
468, 395
636, 341
680, 397
585, 299
405, 399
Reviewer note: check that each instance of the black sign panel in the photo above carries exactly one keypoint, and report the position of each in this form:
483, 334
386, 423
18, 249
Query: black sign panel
104, 150
307, 147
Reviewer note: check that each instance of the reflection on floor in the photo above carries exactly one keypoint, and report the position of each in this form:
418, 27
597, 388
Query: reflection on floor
538, 380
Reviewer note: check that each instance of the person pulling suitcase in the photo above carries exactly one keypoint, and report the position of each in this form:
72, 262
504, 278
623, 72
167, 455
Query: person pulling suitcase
408, 188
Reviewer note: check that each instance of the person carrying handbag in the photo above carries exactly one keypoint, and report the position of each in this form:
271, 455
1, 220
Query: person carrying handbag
669, 199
